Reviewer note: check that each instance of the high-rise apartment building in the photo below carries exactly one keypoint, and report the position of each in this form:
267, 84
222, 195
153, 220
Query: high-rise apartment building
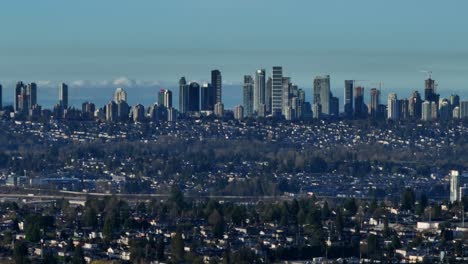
360, 110
374, 103
165, 98
248, 96
348, 98
276, 91
415, 105
393, 108
194, 97
63, 95
183, 95
259, 89
217, 82
120, 95
268, 94
322, 93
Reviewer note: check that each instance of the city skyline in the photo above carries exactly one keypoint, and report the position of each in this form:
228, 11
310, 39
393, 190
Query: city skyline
132, 41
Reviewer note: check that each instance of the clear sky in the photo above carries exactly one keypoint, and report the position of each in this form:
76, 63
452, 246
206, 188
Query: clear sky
149, 42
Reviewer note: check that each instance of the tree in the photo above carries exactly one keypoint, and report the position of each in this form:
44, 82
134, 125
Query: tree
20, 252
78, 256
216, 220
177, 247
407, 199
160, 246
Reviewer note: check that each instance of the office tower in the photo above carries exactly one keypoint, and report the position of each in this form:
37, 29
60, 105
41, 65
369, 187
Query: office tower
415, 105
216, 82
286, 94
445, 110
374, 103
165, 98
138, 113
32, 94
359, 106
322, 93
63, 95
456, 113
454, 100
120, 95
111, 111
307, 111
426, 114
334, 106
194, 97
207, 97
1, 97
259, 89
393, 108
171, 115
348, 98
248, 94
239, 112
123, 110
268, 94
464, 109
288, 113
219, 110
276, 91
183, 96
18, 88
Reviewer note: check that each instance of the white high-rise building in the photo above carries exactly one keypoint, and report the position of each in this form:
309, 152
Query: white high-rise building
120, 95
426, 112
458, 185
393, 108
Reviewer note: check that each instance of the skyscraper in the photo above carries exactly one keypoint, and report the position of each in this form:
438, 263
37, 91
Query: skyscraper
18, 89
194, 97
427, 111
430, 91
32, 94
464, 109
393, 107
286, 95
322, 93
1, 97
276, 91
359, 106
404, 108
138, 113
120, 95
415, 105
111, 111
165, 98
248, 95
334, 106
454, 100
239, 112
207, 97
216, 82
374, 103
445, 110
348, 98
63, 95
183, 96
268, 94
259, 89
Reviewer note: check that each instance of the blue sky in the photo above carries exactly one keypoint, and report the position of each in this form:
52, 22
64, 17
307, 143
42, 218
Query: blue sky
155, 41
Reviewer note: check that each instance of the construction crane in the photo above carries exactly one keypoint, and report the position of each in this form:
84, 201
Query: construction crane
429, 73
